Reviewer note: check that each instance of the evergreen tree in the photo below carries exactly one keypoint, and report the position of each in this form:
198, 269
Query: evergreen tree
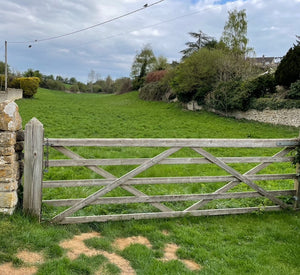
288, 70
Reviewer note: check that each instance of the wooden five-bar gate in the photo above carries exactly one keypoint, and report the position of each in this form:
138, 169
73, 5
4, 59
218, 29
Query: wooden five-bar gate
35, 162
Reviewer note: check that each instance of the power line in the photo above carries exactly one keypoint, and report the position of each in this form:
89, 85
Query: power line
155, 24
88, 28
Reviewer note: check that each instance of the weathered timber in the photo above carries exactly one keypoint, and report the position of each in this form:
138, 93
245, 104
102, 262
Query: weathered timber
169, 198
297, 187
194, 213
133, 142
75, 157
249, 174
240, 177
164, 180
105, 162
108, 175
33, 167
115, 184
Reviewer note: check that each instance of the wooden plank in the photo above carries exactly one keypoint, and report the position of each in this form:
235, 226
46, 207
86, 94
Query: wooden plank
107, 175
133, 161
240, 177
164, 180
115, 184
169, 198
150, 142
33, 167
75, 156
249, 174
177, 214
297, 187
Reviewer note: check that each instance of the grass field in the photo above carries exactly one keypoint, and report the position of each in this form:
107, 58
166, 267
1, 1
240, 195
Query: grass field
261, 243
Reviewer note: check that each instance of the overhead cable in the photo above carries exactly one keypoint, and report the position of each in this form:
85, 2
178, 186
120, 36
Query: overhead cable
88, 28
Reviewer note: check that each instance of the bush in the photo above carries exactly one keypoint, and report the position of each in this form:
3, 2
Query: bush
274, 104
154, 91
229, 96
261, 85
197, 75
288, 70
53, 85
122, 85
29, 85
155, 76
294, 92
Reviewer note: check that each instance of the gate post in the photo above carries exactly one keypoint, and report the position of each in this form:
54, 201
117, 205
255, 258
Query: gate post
33, 167
297, 180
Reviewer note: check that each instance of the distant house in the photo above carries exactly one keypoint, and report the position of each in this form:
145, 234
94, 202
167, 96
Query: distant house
270, 62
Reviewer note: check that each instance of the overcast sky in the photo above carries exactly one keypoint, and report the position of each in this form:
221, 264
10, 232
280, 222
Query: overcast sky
109, 49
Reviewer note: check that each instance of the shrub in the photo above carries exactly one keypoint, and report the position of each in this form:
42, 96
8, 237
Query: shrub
53, 84
154, 91
155, 76
274, 104
261, 85
29, 85
122, 85
288, 70
195, 77
229, 96
294, 91
74, 88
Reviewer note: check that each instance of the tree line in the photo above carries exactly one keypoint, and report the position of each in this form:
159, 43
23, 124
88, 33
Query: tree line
220, 74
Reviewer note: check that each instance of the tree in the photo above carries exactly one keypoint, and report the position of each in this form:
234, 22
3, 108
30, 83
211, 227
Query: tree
161, 64
288, 70
2, 68
202, 40
143, 63
196, 76
234, 36
297, 40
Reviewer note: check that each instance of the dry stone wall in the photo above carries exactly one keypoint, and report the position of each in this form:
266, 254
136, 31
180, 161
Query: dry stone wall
288, 117
11, 94
11, 146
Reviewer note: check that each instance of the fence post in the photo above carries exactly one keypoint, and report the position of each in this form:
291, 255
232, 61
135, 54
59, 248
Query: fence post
297, 180
33, 167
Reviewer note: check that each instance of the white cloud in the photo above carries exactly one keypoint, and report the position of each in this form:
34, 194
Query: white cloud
109, 49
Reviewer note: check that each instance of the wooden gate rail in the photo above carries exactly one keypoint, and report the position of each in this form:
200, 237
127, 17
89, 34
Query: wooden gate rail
33, 175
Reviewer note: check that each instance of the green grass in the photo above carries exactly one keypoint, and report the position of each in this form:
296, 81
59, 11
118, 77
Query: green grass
260, 243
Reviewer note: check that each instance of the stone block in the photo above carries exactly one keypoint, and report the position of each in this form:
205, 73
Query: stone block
9, 186
8, 199
9, 171
7, 151
10, 119
8, 139
8, 159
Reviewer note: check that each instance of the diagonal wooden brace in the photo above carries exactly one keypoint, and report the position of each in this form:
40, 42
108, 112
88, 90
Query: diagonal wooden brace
116, 183
232, 184
240, 177
108, 175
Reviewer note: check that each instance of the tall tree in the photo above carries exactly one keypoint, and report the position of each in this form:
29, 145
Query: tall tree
143, 63
234, 36
202, 40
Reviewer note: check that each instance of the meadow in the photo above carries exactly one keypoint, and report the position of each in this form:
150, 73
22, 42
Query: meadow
260, 243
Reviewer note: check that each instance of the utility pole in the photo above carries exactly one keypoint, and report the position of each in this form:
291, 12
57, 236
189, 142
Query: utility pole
5, 65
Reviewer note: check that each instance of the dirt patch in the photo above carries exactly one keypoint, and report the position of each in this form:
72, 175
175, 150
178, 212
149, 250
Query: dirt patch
191, 265
122, 243
165, 232
30, 257
170, 254
76, 247
9, 269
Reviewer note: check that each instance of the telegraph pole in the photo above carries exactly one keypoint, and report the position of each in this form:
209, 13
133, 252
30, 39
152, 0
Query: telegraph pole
5, 65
